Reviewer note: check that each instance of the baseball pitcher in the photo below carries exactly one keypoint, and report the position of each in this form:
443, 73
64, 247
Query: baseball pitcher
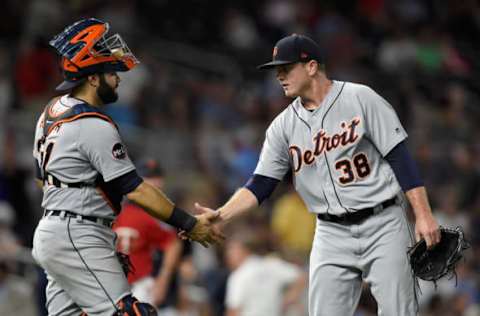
346, 149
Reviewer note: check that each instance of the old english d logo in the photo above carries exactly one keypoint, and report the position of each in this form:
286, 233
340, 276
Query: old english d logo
275, 52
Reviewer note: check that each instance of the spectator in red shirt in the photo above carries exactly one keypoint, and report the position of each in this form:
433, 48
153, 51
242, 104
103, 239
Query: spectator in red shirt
35, 79
139, 236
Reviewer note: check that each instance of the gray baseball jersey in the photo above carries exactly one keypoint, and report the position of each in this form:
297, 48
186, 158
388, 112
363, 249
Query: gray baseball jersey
336, 151
336, 154
79, 155
78, 254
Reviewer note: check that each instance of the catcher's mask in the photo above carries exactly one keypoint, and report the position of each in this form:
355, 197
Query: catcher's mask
86, 50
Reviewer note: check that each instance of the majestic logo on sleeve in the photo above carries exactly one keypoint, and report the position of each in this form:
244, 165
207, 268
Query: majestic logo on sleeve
324, 143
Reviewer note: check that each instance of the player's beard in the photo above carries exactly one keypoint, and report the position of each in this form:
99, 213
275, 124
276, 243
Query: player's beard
105, 92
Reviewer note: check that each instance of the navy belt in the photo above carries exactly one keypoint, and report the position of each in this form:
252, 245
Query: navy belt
98, 220
358, 216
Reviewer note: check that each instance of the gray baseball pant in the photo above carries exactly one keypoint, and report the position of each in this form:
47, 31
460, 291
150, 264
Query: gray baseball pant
374, 251
82, 268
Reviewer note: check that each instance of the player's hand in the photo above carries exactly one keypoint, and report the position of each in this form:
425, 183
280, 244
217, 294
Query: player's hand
427, 227
204, 231
200, 209
217, 222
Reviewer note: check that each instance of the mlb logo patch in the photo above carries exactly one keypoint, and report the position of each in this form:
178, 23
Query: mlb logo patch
119, 151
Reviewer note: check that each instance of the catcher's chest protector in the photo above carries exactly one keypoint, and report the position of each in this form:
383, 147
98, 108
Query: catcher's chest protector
82, 110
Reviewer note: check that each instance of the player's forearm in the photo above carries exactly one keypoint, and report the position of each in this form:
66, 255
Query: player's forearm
419, 201
152, 200
155, 203
241, 202
426, 226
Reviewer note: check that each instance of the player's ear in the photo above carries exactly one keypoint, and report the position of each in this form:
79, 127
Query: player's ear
312, 67
94, 80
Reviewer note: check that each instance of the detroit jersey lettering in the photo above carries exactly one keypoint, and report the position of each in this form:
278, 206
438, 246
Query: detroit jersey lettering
323, 143
336, 151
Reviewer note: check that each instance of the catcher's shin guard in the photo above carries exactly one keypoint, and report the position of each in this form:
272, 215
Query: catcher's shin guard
130, 306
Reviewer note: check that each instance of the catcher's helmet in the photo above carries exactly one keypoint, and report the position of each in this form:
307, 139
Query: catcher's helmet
86, 50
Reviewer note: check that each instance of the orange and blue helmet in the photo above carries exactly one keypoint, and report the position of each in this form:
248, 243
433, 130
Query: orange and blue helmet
86, 50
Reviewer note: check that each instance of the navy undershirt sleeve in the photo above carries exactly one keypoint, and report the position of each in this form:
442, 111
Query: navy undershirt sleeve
261, 186
404, 167
125, 183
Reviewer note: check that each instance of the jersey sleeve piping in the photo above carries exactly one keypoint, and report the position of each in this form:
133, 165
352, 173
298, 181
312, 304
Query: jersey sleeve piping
119, 173
265, 174
394, 143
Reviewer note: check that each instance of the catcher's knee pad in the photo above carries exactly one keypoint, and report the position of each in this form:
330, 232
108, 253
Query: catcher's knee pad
130, 306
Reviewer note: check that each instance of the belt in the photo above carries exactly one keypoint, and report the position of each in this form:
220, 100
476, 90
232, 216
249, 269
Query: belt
358, 216
98, 220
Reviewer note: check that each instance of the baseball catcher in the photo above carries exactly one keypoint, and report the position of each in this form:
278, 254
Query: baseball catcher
432, 264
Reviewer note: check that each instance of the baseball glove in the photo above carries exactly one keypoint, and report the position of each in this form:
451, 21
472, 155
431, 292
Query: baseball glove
441, 260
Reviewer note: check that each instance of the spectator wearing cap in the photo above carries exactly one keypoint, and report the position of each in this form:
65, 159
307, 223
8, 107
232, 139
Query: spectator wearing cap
140, 236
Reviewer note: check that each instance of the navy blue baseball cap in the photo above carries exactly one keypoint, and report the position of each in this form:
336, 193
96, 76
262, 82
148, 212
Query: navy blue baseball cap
293, 49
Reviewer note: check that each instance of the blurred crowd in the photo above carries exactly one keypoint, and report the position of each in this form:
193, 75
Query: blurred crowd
197, 105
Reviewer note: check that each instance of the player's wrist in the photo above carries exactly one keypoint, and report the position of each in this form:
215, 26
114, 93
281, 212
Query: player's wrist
422, 213
181, 219
222, 217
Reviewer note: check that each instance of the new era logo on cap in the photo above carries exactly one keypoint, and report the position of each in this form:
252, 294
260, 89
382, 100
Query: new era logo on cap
292, 49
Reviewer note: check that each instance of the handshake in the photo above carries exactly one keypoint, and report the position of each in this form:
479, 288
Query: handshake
207, 230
